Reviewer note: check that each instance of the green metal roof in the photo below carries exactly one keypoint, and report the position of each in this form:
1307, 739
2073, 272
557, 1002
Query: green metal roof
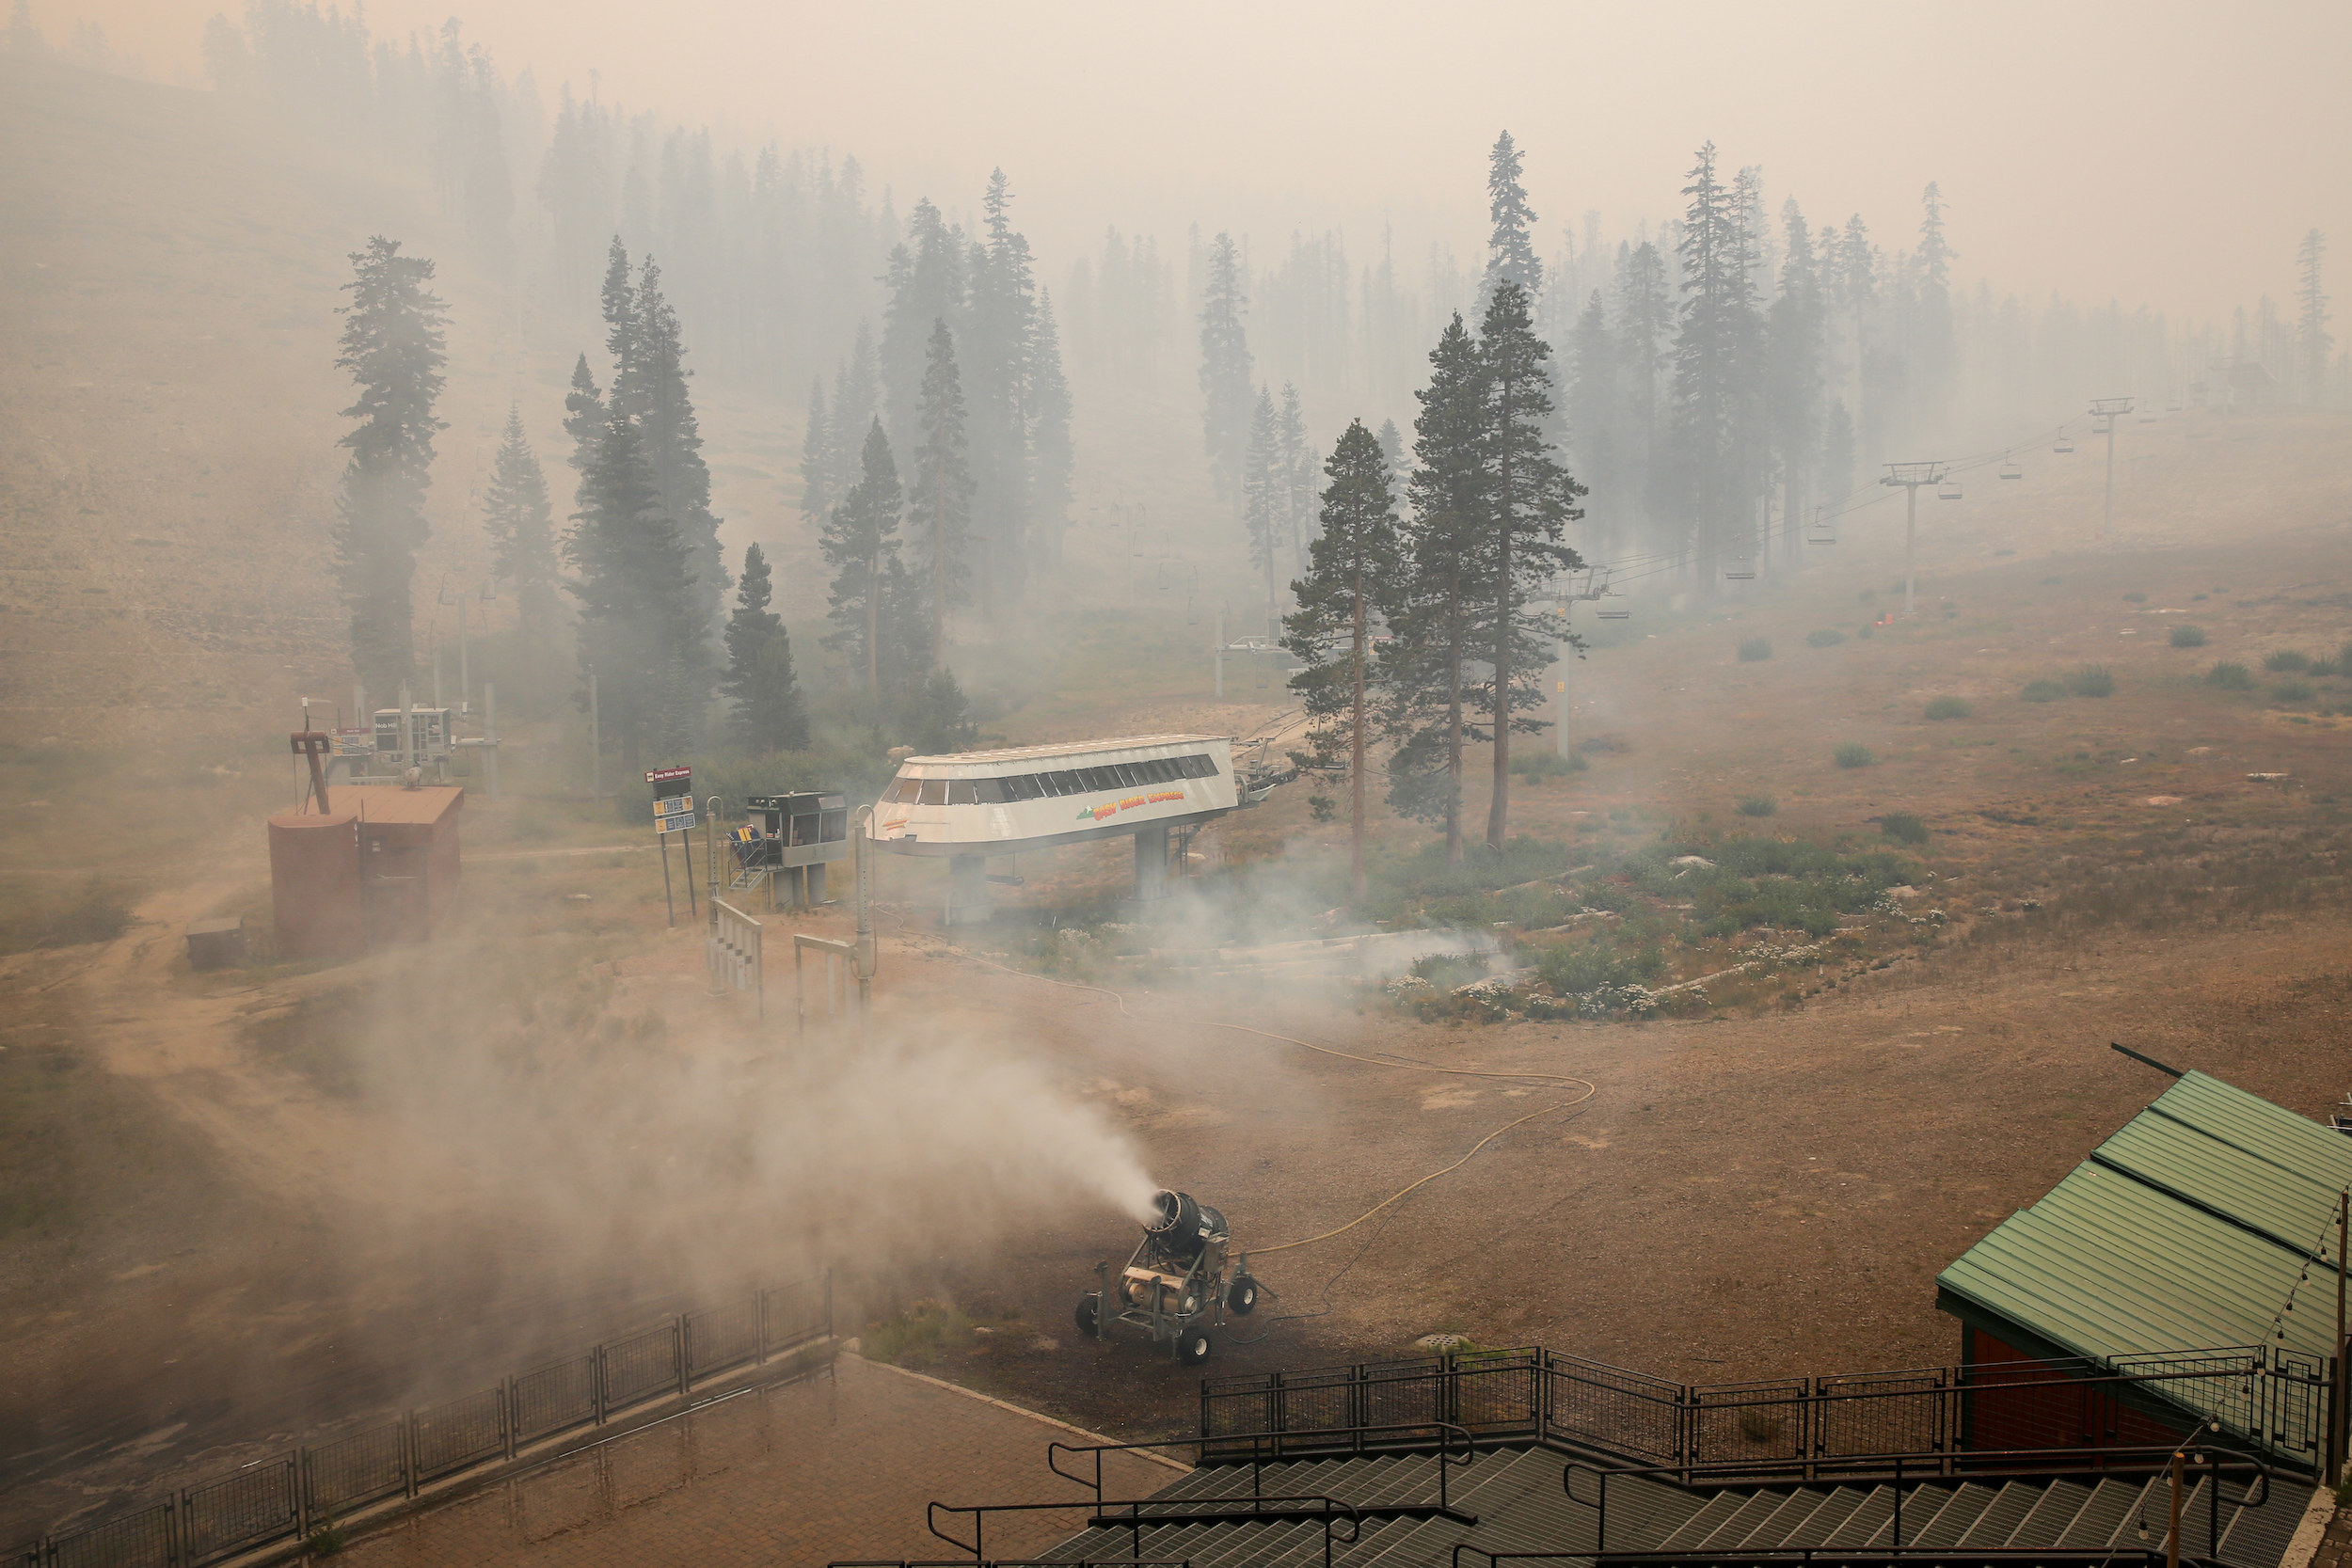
2188, 1229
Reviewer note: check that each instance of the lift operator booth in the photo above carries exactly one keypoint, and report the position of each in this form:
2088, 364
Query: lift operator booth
964, 809
802, 834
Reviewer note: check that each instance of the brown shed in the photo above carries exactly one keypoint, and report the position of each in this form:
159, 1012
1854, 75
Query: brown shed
314, 884
382, 867
408, 860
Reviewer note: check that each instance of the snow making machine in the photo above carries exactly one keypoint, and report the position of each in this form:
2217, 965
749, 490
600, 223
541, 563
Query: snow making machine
1176, 1287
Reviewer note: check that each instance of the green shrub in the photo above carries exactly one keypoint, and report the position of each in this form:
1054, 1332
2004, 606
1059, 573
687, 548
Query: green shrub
1828, 636
1757, 805
2042, 691
2134, 598
1756, 650
2231, 677
2323, 667
1903, 826
2188, 637
1538, 766
1853, 754
1446, 971
2091, 680
1949, 707
98, 911
2286, 661
2292, 690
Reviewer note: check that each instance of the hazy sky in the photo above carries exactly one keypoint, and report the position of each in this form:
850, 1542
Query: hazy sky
2168, 153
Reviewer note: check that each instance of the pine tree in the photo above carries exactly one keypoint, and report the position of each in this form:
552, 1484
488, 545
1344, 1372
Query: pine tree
941, 494
1531, 499
860, 544
584, 416
816, 458
1297, 466
650, 389
639, 627
1511, 244
1049, 440
998, 339
1434, 628
521, 525
1350, 582
1708, 372
1593, 405
760, 682
1933, 344
1391, 444
1645, 322
618, 300
1266, 498
1793, 330
392, 346
927, 284
1837, 451
1226, 371
2313, 336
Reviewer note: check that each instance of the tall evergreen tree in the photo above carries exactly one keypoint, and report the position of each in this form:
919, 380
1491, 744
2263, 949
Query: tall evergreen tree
2313, 337
521, 525
997, 342
942, 497
651, 390
1933, 344
1592, 407
584, 416
1049, 440
1227, 373
1351, 581
860, 544
927, 284
1391, 444
1793, 331
1709, 376
1645, 322
1511, 244
392, 346
639, 629
1531, 499
816, 458
1265, 499
1837, 451
1297, 462
760, 683
1435, 626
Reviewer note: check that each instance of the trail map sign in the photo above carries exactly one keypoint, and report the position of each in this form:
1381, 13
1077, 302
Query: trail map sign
673, 812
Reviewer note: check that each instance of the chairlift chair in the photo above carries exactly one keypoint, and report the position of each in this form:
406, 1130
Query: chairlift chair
2011, 468
1821, 531
2065, 445
1608, 614
1739, 568
1948, 490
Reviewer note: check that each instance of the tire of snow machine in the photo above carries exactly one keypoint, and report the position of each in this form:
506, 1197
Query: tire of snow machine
1241, 1296
1192, 1346
1086, 1316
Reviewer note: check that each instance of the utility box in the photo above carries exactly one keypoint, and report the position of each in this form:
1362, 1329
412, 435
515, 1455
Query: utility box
802, 834
216, 944
381, 867
314, 881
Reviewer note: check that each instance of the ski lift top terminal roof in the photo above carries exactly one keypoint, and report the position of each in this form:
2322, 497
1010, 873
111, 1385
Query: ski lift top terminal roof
1036, 797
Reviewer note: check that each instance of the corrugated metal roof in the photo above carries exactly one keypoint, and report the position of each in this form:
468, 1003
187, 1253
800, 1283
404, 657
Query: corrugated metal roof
2131, 1253
2290, 1209
2268, 1132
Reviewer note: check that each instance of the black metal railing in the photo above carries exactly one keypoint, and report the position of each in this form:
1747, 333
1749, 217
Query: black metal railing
1881, 1556
1265, 1447
289, 1495
2202, 1462
2265, 1399
1305, 1509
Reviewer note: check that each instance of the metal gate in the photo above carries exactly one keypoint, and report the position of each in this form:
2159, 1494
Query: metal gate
734, 952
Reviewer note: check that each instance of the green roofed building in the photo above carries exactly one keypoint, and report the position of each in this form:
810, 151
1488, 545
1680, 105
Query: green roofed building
2207, 1224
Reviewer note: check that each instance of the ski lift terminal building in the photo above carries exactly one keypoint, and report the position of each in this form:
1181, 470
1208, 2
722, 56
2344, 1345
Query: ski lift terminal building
967, 807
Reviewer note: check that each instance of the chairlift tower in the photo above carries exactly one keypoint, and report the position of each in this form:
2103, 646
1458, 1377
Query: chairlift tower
1911, 475
1596, 586
2108, 411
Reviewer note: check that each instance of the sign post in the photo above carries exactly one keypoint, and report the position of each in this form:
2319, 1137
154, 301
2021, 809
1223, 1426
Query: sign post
673, 812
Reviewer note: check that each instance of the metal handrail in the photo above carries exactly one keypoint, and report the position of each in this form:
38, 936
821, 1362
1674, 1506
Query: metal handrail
1328, 1510
1445, 1430
1841, 1556
2214, 1465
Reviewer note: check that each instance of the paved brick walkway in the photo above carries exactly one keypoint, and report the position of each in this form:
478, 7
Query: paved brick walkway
2335, 1549
793, 1476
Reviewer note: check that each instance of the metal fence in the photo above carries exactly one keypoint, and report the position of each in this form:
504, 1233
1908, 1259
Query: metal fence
288, 1495
2272, 1402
